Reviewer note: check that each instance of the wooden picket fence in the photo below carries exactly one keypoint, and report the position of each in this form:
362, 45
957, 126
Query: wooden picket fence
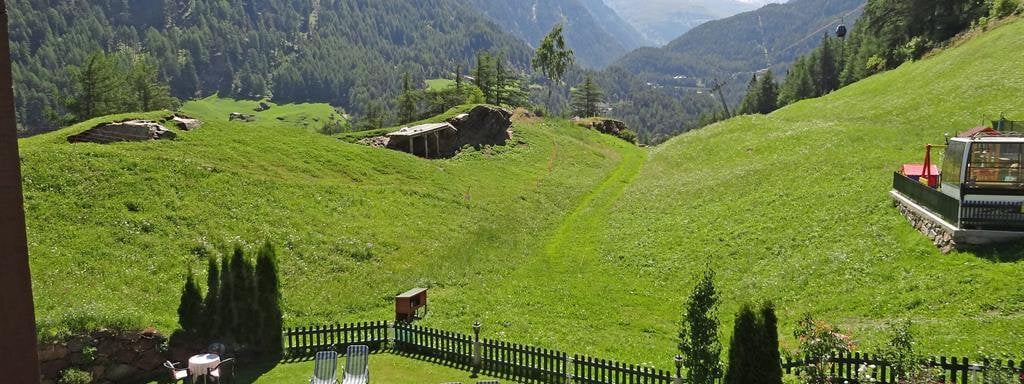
588, 370
307, 341
845, 368
450, 347
525, 363
528, 364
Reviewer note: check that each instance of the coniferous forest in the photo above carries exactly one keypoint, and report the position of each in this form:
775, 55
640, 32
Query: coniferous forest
346, 53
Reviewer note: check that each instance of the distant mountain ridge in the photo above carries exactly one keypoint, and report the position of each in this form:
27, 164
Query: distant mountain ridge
660, 21
596, 34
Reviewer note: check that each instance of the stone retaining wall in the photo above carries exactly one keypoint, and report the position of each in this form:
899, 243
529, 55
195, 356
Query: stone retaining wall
940, 236
110, 356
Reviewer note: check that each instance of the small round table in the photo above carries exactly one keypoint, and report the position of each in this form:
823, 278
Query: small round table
198, 364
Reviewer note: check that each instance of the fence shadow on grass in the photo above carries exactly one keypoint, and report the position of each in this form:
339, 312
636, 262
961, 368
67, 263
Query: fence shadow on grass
1001, 253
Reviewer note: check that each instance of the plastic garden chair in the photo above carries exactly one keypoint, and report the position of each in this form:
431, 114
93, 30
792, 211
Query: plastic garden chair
325, 368
356, 361
220, 372
177, 374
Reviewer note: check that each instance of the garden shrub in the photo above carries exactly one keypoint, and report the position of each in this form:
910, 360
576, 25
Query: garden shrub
74, 376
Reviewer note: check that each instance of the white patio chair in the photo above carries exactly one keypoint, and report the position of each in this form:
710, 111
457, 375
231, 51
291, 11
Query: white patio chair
177, 374
356, 365
325, 368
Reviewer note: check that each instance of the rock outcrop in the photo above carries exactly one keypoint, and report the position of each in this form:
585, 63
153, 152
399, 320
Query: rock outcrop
484, 125
183, 122
609, 126
241, 117
109, 356
130, 130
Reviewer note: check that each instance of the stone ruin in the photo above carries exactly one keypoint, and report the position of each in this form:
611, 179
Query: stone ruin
128, 130
482, 126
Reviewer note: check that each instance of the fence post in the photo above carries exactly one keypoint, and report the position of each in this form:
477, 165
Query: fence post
569, 372
477, 350
679, 370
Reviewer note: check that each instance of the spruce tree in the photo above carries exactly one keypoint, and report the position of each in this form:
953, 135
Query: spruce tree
745, 349
269, 295
190, 308
826, 71
699, 332
748, 105
771, 359
587, 98
407, 101
484, 75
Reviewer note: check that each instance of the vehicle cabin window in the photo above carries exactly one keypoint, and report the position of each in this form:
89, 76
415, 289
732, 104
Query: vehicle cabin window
952, 163
995, 165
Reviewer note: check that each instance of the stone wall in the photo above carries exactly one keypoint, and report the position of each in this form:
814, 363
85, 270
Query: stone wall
110, 356
942, 238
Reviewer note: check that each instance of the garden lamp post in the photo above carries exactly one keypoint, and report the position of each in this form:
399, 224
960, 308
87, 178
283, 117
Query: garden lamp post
20, 362
477, 358
679, 369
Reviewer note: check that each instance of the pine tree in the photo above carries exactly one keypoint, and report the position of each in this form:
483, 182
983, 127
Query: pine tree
499, 82
771, 360
190, 308
211, 305
699, 332
407, 101
458, 79
586, 98
269, 295
745, 349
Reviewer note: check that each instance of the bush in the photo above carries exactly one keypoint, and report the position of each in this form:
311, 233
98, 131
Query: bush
1004, 8
74, 376
818, 341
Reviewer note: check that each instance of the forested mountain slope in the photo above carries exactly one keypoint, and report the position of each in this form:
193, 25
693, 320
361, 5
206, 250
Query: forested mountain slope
770, 37
596, 43
343, 52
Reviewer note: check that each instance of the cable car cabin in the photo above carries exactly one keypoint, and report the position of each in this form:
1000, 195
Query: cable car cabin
979, 197
408, 305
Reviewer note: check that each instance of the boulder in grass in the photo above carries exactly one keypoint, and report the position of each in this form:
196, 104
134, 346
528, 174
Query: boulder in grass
183, 122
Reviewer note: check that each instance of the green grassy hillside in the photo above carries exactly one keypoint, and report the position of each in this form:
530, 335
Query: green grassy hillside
114, 228
567, 239
793, 207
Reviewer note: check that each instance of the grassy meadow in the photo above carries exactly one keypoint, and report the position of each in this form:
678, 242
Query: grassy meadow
565, 238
